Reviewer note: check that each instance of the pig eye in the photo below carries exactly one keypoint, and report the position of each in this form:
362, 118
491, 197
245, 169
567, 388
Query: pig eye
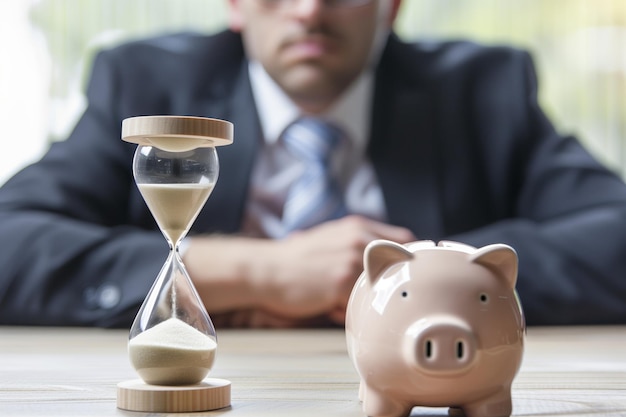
405, 294
484, 298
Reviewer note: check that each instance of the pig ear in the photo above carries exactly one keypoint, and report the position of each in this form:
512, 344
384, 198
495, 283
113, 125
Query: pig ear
500, 258
380, 255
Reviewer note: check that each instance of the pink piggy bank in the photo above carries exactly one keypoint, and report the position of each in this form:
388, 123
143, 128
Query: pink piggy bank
436, 326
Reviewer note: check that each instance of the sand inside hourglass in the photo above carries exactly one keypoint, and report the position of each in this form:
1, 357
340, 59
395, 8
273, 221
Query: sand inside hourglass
175, 206
172, 353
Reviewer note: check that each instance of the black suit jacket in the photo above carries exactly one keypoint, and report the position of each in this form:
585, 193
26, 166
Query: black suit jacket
460, 146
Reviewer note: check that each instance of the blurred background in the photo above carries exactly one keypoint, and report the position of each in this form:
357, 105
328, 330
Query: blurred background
47, 47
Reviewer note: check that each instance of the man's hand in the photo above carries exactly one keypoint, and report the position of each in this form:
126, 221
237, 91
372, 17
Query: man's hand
316, 268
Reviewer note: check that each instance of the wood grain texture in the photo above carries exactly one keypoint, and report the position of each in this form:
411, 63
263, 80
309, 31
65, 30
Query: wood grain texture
210, 394
141, 128
569, 371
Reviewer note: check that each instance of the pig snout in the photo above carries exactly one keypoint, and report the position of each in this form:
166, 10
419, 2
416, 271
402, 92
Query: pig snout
440, 345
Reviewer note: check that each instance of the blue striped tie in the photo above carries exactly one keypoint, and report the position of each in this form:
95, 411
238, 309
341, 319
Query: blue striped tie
315, 196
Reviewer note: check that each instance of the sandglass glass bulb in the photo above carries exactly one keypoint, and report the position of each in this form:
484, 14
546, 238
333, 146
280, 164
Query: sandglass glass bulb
172, 340
175, 186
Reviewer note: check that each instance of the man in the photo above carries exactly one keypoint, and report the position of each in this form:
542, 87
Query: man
441, 141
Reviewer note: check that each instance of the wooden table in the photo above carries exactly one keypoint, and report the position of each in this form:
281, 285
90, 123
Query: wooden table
575, 371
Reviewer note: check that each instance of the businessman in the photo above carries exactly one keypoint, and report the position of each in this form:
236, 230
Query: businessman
438, 140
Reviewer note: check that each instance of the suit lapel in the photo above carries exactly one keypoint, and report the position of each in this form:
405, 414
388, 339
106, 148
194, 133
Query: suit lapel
402, 147
225, 208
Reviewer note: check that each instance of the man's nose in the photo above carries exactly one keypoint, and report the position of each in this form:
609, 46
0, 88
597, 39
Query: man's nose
307, 8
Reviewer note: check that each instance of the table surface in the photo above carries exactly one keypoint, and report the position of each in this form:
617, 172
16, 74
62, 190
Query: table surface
567, 371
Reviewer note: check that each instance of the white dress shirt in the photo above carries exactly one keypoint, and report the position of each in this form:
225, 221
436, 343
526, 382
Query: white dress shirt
276, 169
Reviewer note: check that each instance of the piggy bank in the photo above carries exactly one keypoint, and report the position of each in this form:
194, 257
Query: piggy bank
436, 326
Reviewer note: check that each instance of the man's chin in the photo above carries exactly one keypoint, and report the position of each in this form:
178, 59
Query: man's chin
308, 81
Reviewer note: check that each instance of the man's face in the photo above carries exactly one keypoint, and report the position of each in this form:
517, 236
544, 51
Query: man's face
311, 50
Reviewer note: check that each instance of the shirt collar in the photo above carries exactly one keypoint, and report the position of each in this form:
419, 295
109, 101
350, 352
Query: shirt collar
276, 111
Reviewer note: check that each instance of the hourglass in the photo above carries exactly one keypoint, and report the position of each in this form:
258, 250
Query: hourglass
172, 342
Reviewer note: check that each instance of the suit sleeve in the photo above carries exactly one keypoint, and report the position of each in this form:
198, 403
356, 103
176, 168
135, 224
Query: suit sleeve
75, 251
567, 220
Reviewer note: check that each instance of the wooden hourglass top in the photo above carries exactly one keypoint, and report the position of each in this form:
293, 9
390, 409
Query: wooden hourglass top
177, 132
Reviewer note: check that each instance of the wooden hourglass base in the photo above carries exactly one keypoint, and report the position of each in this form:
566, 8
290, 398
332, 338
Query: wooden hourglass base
210, 394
